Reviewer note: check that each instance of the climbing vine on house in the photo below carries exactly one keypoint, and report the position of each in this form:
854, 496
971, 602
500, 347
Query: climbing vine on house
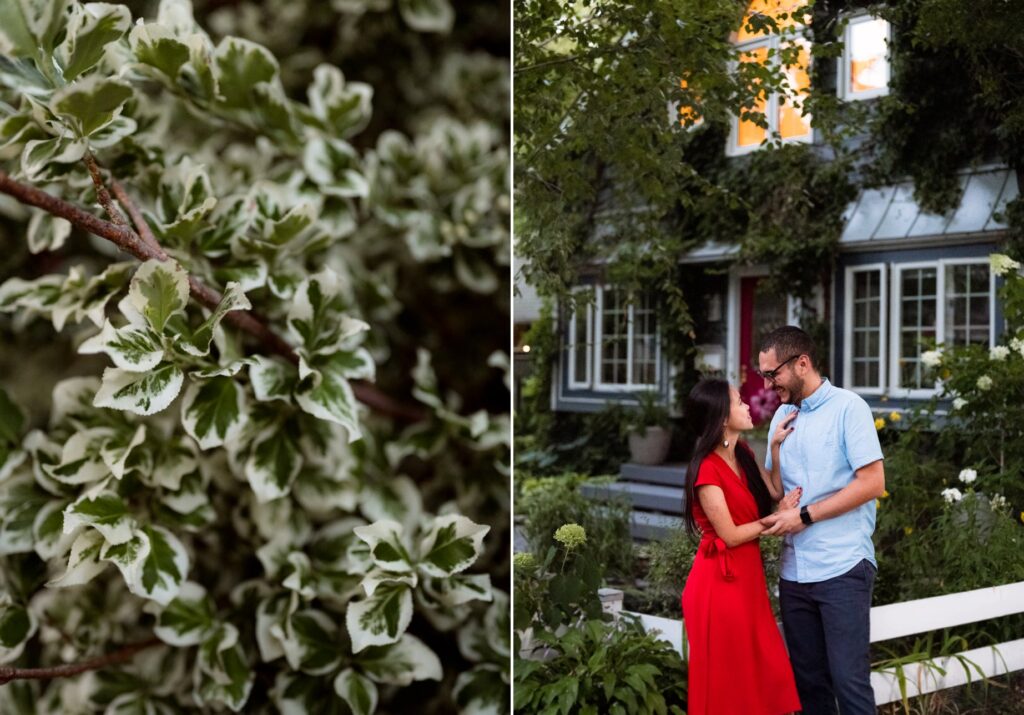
248, 458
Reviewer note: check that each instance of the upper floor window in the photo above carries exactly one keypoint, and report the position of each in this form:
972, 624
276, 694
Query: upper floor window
759, 44
865, 62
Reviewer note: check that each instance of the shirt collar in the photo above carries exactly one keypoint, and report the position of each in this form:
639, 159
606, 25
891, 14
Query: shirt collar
815, 399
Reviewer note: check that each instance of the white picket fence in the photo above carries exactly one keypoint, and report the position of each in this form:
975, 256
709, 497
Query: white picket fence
906, 619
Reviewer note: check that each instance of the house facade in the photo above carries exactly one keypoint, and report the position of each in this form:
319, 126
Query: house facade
904, 278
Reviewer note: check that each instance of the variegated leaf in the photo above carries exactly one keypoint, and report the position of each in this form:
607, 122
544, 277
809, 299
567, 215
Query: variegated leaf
214, 411
141, 393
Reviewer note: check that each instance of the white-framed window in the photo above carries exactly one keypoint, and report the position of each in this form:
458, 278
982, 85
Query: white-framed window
612, 342
865, 328
949, 302
864, 68
783, 113
581, 344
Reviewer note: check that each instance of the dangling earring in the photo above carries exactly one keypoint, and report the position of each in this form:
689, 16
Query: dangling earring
725, 443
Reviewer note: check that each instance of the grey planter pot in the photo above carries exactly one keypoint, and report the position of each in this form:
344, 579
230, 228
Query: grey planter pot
649, 447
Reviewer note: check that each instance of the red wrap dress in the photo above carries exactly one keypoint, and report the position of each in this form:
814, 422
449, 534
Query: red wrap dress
738, 664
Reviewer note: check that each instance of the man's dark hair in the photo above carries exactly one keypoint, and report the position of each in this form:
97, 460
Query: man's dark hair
788, 341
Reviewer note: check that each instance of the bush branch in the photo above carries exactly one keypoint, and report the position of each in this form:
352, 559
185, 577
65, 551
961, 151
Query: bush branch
131, 242
125, 653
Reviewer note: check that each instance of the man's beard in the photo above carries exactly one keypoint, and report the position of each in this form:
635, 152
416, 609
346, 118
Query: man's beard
796, 394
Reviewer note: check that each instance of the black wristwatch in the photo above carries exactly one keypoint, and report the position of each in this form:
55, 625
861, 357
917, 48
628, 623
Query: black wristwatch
805, 516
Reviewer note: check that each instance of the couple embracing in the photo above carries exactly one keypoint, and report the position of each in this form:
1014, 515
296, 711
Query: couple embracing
817, 491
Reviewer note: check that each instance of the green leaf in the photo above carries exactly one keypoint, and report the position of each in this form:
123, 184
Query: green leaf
106, 512
482, 689
241, 65
382, 617
358, 691
40, 154
12, 420
273, 465
214, 411
46, 232
271, 380
17, 625
234, 299
84, 563
159, 291
131, 347
334, 166
48, 534
452, 545
117, 449
141, 393
400, 664
20, 499
81, 458
91, 28
90, 103
427, 15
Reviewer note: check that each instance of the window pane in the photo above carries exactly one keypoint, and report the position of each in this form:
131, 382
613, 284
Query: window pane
866, 55
918, 324
614, 327
581, 347
968, 304
792, 123
644, 341
768, 8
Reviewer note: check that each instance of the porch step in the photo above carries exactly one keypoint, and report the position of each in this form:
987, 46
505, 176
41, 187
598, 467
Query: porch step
645, 497
648, 526
670, 474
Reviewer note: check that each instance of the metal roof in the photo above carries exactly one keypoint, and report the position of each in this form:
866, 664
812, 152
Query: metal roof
891, 214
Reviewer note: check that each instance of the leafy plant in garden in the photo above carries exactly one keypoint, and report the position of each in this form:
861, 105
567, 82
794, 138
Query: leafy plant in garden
242, 472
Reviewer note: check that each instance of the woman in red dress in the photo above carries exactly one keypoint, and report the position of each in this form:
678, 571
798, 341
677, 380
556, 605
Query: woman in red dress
738, 664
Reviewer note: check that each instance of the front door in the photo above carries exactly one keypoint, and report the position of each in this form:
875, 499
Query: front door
760, 313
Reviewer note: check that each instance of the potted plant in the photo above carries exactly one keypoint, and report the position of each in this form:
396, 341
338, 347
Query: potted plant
650, 433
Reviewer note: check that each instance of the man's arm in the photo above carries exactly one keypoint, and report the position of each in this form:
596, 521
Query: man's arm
868, 483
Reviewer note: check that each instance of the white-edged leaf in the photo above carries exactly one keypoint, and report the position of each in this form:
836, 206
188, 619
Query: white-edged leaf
214, 411
141, 393
38, 154
164, 568
17, 625
159, 291
30, 26
187, 618
310, 641
20, 499
50, 540
274, 463
387, 548
90, 103
483, 690
382, 617
427, 15
84, 563
90, 28
106, 512
116, 450
327, 394
357, 690
199, 342
342, 108
46, 232
400, 664
271, 380
316, 316
452, 545
133, 348
81, 458
128, 556
222, 673
240, 66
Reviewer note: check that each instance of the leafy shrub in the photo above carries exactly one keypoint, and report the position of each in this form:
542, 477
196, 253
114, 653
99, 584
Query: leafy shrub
600, 667
548, 502
255, 463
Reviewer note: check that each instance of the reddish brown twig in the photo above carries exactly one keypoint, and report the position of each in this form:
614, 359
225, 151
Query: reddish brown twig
120, 655
143, 229
131, 242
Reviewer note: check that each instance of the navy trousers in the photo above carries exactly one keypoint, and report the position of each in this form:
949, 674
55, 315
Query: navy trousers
828, 631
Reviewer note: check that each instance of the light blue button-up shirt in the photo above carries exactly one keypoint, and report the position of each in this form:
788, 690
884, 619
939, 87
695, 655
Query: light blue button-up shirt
834, 435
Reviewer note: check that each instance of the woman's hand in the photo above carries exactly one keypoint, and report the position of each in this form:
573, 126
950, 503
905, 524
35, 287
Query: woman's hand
783, 430
791, 500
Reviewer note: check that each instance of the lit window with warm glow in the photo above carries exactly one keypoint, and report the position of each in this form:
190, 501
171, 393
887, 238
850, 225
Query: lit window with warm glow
767, 34
688, 115
865, 61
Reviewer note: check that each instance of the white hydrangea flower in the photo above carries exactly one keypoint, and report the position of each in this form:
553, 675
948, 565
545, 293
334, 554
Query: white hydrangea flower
931, 358
1002, 264
968, 475
999, 352
984, 383
959, 403
1018, 345
998, 501
951, 495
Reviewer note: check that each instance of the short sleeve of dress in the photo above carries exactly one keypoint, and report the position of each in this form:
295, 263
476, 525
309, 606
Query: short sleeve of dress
707, 474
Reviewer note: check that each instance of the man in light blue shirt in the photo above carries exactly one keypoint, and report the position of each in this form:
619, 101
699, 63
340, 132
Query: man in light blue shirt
828, 559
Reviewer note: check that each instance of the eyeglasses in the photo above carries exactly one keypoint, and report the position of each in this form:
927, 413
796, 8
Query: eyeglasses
770, 375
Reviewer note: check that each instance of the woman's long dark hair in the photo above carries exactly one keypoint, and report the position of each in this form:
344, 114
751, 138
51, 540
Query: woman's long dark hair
707, 409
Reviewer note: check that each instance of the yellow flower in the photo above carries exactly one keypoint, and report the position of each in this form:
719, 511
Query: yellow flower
885, 493
1022, 516
879, 423
908, 530
895, 416
878, 503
